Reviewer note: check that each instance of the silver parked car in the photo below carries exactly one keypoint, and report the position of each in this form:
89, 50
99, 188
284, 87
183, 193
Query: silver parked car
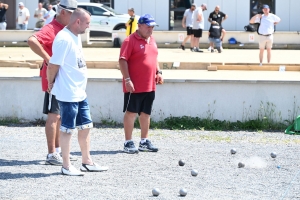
104, 18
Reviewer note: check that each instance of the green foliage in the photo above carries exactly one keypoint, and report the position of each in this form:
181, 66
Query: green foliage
8, 121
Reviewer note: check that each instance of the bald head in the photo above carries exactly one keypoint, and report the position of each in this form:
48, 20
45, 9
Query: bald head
79, 21
217, 8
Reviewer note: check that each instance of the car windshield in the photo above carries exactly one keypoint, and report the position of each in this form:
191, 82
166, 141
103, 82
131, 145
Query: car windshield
110, 10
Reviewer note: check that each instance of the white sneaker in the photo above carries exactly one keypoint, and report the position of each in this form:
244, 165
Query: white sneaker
72, 171
209, 49
93, 168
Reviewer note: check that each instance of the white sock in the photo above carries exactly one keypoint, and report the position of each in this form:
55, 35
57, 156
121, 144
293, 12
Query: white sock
49, 155
58, 149
126, 141
260, 64
143, 140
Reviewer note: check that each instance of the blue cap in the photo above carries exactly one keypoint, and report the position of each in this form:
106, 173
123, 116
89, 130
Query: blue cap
266, 6
147, 19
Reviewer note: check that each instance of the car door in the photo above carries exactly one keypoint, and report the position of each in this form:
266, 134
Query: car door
99, 22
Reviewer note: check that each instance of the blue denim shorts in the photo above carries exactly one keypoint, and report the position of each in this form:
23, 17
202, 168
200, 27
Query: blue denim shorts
75, 114
216, 41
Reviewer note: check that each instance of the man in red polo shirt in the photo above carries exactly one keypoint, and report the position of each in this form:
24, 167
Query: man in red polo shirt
141, 73
41, 44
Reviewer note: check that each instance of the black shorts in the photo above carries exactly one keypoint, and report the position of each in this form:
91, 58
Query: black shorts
139, 102
197, 33
54, 105
189, 30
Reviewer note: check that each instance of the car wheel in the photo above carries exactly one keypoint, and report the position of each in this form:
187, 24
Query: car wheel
121, 28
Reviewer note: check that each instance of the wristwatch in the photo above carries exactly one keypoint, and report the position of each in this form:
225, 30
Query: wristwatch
159, 72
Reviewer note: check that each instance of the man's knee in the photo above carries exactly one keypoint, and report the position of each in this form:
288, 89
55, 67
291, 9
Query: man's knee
53, 118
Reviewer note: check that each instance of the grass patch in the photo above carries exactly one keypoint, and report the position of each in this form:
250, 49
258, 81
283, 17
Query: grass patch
9, 120
196, 123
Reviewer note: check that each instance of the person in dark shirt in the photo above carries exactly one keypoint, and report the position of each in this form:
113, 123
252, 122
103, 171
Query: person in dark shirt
3, 9
219, 17
215, 36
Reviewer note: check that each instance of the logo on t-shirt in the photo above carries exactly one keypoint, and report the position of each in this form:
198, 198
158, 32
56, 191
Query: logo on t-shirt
81, 62
142, 46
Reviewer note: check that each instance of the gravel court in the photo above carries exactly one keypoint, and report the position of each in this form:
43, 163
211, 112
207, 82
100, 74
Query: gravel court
24, 176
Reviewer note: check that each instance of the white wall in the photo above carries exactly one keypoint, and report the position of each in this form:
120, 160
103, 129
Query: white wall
31, 5
226, 100
159, 9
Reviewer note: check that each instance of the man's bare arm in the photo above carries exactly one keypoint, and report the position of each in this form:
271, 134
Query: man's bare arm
51, 74
37, 48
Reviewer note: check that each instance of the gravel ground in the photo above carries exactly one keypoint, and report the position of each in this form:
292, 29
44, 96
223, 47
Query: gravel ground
23, 174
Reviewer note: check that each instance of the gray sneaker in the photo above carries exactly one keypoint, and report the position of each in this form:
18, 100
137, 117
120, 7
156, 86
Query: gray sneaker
72, 158
54, 159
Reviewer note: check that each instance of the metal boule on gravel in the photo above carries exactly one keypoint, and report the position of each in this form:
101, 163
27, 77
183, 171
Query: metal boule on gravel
273, 155
155, 192
194, 172
233, 151
183, 192
181, 162
241, 165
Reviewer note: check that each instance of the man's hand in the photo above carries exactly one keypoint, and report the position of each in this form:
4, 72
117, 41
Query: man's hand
129, 86
50, 86
183, 25
159, 79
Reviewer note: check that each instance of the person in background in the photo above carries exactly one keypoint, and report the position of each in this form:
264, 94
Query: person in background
219, 17
39, 13
267, 22
131, 25
198, 26
216, 36
187, 22
23, 16
3, 9
48, 17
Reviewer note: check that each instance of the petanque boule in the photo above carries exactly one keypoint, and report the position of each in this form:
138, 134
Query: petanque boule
155, 192
181, 162
233, 151
241, 165
273, 155
194, 172
183, 192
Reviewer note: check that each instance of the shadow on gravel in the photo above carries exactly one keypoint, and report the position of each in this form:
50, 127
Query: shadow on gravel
8, 175
4, 162
98, 153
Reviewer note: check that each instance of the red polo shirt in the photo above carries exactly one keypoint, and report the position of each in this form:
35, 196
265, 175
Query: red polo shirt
141, 57
46, 37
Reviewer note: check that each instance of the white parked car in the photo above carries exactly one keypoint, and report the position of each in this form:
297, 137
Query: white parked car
104, 18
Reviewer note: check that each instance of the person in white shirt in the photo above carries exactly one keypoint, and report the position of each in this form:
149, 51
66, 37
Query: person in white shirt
266, 22
23, 17
48, 17
187, 22
198, 26
39, 13
67, 79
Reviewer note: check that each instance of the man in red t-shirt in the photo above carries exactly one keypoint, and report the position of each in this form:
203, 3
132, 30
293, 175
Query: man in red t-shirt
141, 73
41, 44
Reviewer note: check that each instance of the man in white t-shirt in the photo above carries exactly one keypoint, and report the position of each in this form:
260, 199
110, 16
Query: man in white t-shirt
198, 26
67, 79
23, 17
267, 22
187, 22
39, 13
49, 15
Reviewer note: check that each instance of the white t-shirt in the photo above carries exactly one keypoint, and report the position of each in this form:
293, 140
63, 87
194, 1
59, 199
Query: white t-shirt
51, 13
22, 14
198, 25
71, 79
189, 17
40, 13
266, 26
